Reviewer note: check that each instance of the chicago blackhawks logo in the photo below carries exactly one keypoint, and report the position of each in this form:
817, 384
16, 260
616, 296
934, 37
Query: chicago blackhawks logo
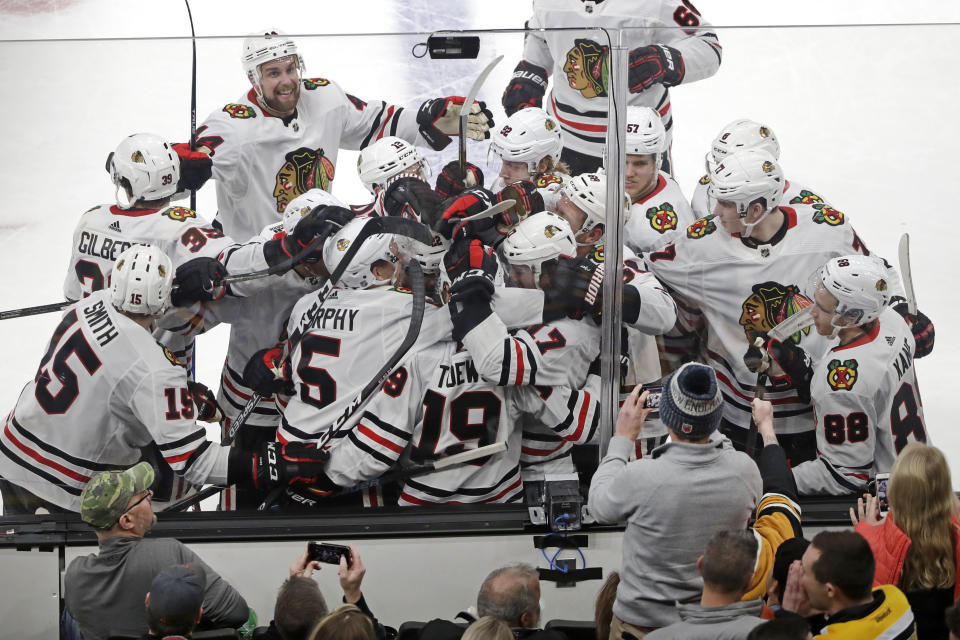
806, 197
550, 230
303, 169
549, 124
841, 376
240, 111
705, 179
597, 255
826, 214
312, 83
546, 179
342, 244
586, 68
137, 156
702, 227
179, 213
662, 218
769, 304
172, 358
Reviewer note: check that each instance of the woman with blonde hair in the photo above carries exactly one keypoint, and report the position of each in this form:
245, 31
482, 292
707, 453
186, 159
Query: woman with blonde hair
346, 622
488, 628
917, 547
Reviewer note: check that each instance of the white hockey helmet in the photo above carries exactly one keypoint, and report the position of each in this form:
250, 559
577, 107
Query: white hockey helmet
359, 275
258, 49
141, 281
430, 256
304, 204
645, 132
529, 135
739, 135
859, 283
386, 158
588, 192
146, 164
746, 177
539, 238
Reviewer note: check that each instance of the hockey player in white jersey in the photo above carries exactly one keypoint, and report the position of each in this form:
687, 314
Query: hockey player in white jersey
657, 205
864, 388
738, 273
281, 138
669, 44
105, 389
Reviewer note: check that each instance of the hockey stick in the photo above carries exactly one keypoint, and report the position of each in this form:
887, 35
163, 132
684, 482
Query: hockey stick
189, 501
193, 98
906, 273
468, 104
33, 311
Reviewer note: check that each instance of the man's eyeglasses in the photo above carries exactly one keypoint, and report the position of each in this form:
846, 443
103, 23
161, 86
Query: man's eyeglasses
147, 494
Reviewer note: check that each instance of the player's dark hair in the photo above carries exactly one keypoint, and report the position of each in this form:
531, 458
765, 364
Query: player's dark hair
846, 561
300, 606
729, 560
788, 627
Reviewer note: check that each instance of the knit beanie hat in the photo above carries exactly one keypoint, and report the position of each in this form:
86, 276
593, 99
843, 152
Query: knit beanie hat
691, 404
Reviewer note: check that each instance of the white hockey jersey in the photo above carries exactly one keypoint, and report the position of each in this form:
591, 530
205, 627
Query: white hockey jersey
793, 193
579, 61
104, 389
262, 162
734, 288
867, 406
438, 405
657, 215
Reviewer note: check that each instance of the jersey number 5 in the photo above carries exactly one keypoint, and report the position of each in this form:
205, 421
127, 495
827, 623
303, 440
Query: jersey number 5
75, 345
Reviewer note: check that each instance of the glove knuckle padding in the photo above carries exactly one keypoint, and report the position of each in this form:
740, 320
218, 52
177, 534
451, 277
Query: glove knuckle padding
526, 87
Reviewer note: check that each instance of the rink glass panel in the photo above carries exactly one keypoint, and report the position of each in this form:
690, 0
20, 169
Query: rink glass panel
868, 126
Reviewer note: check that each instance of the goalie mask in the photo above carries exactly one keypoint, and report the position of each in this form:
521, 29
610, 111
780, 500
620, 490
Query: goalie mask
739, 135
744, 178
304, 204
145, 164
537, 240
645, 133
387, 158
141, 281
272, 45
528, 136
588, 193
859, 285
376, 248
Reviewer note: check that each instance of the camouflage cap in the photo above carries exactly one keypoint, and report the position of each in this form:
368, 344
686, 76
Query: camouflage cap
106, 496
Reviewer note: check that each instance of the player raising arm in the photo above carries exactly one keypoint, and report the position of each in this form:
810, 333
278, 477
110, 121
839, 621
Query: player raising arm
105, 389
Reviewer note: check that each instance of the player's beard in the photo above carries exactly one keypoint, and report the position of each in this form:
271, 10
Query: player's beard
284, 105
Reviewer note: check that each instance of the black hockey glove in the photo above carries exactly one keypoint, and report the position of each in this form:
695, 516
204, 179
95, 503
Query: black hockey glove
196, 167
322, 220
268, 372
413, 198
922, 328
453, 180
205, 401
471, 202
790, 367
528, 201
526, 88
197, 281
295, 462
655, 64
439, 119
471, 268
575, 290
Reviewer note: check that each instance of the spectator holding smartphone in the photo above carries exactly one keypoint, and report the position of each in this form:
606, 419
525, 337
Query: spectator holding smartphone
917, 545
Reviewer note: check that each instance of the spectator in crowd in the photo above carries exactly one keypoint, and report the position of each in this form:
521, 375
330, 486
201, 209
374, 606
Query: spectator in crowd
300, 606
174, 602
104, 592
727, 569
488, 628
788, 627
953, 621
788, 552
346, 622
835, 577
690, 488
603, 610
917, 545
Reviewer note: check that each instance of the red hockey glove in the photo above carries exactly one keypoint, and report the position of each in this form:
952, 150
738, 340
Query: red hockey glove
294, 462
196, 167
526, 88
268, 372
471, 202
655, 64
453, 180
790, 368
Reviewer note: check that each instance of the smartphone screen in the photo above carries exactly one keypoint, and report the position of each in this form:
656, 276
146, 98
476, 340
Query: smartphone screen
328, 553
653, 399
882, 480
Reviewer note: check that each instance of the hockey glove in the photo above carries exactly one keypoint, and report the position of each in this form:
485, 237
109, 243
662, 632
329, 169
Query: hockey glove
198, 280
471, 202
268, 372
574, 291
528, 200
922, 328
439, 119
655, 64
205, 401
790, 367
526, 88
295, 462
453, 180
196, 167
471, 268
411, 197
322, 220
